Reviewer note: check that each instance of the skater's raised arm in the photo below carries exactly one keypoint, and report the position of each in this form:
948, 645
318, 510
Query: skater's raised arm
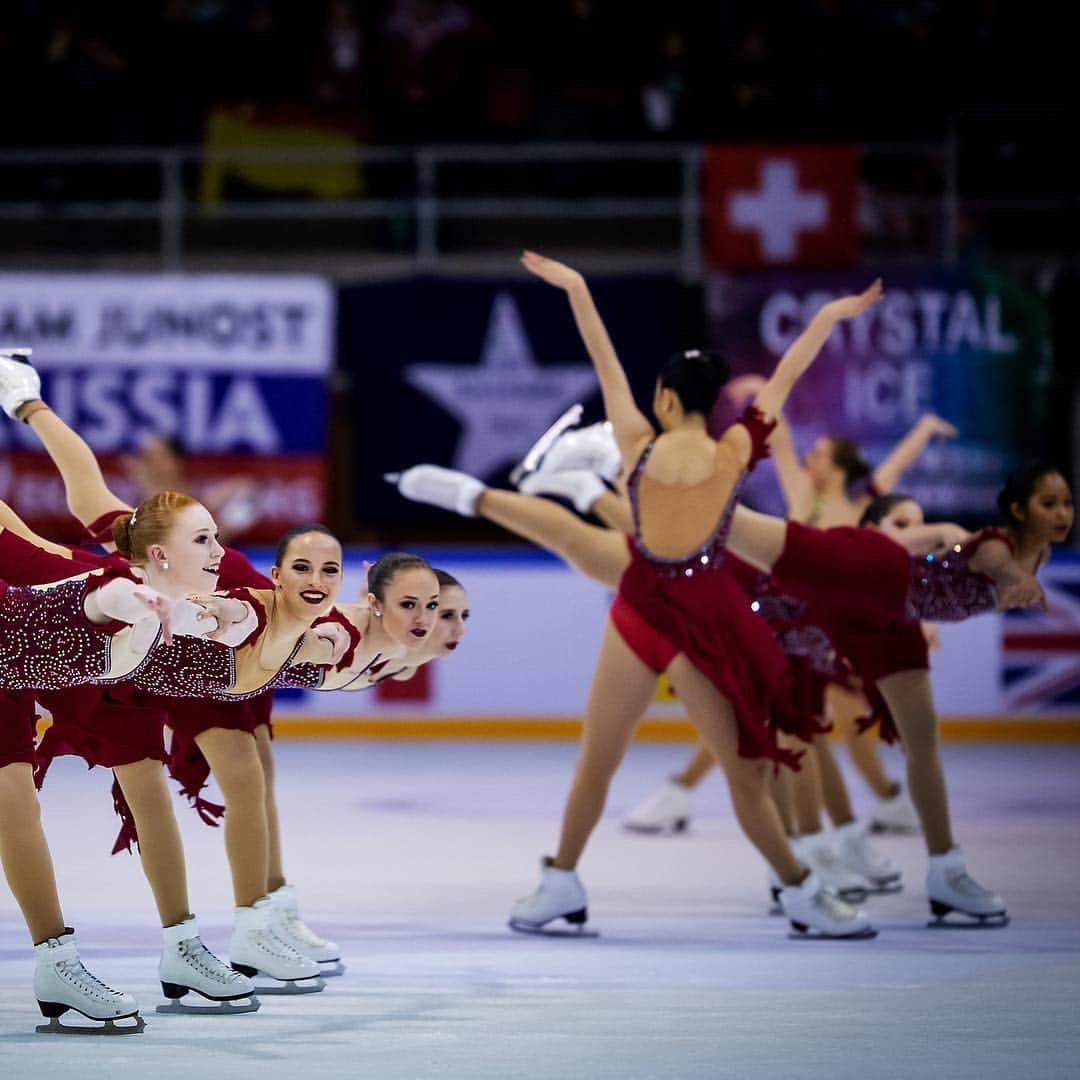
907, 451
794, 480
800, 355
88, 496
632, 428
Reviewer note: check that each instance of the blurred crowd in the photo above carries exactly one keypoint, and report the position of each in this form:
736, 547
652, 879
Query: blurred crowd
149, 71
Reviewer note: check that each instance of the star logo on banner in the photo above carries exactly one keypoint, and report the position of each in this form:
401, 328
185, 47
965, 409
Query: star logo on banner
504, 402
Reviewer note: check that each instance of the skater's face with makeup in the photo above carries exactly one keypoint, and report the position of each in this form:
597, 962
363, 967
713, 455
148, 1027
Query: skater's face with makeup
449, 626
407, 605
1048, 513
308, 575
904, 515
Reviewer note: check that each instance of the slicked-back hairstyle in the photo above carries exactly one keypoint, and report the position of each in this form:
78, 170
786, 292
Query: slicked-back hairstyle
383, 570
846, 455
298, 530
882, 506
148, 524
696, 377
1020, 485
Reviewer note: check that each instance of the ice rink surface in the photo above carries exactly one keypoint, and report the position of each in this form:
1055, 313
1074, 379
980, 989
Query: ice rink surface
410, 854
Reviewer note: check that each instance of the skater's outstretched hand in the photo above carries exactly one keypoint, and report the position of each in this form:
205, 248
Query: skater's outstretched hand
157, 604
324, 644
554, 273
1017, 588
847, 307
226, 611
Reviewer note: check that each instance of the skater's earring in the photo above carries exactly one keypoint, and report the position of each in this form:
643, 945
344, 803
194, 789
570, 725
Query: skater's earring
164, 564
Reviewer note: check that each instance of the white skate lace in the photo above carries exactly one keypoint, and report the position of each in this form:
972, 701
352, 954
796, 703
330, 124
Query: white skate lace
869, 861
295, 926
832, 906
278, 947
195, 953
965, 885
84, 982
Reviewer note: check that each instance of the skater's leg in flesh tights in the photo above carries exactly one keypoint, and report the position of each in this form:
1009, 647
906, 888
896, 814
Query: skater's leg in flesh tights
160, 847
806, 792
834, 791
780, 789
622, 688
234, 761
843, 707
698, 767
757, 538
748, 779
911, 702
265, 745
598, 553
24, 853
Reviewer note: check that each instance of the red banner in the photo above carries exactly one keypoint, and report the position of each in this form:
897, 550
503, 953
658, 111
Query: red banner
780, 205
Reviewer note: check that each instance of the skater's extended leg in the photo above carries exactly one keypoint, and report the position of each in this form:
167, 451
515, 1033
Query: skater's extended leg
275, 864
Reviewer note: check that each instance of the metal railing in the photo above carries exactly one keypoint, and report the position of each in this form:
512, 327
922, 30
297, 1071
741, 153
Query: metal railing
157, 187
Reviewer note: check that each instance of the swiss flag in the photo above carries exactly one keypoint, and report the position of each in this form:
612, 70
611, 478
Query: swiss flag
782, 205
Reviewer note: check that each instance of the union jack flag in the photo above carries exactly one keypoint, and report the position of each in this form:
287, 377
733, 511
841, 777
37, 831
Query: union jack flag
1041, 663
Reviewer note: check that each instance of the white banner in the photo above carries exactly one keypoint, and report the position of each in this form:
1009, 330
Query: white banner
264, 324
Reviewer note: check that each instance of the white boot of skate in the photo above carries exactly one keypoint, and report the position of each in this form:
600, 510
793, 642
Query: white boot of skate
560, 895
446, 488
62, 983
665, 811
950, 888
19, 382
776, 887
256, 948
896, 814
815, 912
592, 448
301, 937
815, 851
860, 856
187, 965
580, 486
531, 461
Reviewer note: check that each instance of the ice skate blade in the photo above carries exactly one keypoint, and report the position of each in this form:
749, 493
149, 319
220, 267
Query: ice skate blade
804, 933
532, 460
969, 922
574, 930
679, 826
215, 1008
292, 986
887, 888
108, 1027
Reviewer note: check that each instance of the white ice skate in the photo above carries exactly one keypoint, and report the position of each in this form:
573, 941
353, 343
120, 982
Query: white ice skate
815, 851
951, 889
531, 461
816, 913
665, 811
19, 382
62, 983
291, 928
187, 965
560, 895
896, 814
579, 486
446, 488
256, 948
776, 887
860, 856
592, 448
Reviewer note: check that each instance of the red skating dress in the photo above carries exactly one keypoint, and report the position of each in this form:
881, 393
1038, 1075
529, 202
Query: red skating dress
813, 660
48, 643
876, 595
693, 605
